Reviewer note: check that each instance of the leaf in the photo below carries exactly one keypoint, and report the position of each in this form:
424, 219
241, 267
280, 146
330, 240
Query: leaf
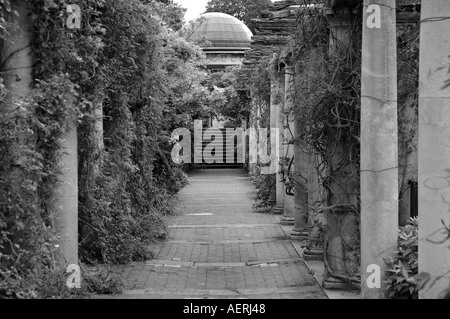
422, 276
405, 272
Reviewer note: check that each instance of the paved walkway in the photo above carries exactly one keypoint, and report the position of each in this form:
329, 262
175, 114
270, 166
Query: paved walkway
220, 247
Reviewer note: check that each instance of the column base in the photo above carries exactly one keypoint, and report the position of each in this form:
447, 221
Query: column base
278, 210
330, 282
299, 234
287, 220
313, 253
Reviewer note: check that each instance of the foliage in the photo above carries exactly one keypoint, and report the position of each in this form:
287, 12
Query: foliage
30, 146
189, 28
185, 91
326, 104
241, 9
424, 279
94, 279
172, 14
227, 98
326, 101
402, 282
7, 27
258, 86
266, 190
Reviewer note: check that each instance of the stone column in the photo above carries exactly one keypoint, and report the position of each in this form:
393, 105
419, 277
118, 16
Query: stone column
255, 150
408, 120
99, 136
288, 215
66, 199
317, 220
17, 62
198, 139
434, 148
301, 230
251, 133
244, 144
276, 116
342, 220
379, 145
99, 125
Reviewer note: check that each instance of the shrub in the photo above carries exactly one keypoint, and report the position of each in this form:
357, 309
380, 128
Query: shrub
402, 282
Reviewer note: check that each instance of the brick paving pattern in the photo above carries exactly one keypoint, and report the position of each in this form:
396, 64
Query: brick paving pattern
220, 247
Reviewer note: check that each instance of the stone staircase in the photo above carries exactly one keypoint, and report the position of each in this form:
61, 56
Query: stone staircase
216, 144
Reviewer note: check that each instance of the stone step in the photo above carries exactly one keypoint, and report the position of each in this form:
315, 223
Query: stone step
302, 292
254, 263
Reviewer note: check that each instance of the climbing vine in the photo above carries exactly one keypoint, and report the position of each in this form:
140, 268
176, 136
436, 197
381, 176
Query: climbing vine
259, 86
326, 102
124, 60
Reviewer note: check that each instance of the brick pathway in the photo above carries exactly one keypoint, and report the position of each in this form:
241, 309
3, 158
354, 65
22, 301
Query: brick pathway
221, 248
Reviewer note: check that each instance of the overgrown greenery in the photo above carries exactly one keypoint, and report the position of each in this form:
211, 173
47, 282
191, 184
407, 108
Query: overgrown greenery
127, 60
327, 104
326, 101
27, 174
402, 282
259, 112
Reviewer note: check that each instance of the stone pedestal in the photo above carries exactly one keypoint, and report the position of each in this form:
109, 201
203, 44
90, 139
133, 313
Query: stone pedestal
316, 216
288, 214
342, 224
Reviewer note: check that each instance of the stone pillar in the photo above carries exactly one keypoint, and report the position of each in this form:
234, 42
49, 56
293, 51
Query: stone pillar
434, 148
66, 199
276, 116
251, 133
251, 159
300, 231
198, 141
255, 150
379, 145
407, 161
288, 215
17, 71
281, 188
342, 219
244, 145
317, 220
99, 125
98, 128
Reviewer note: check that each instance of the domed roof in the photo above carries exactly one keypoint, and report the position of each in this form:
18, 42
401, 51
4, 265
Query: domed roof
223, 30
